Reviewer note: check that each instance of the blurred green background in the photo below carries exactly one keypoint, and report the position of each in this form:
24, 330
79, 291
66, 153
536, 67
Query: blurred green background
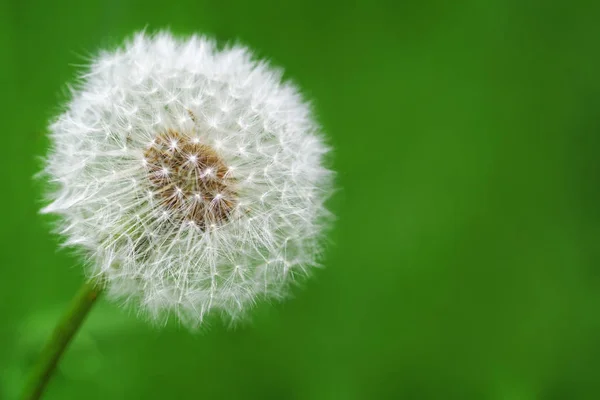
465, 261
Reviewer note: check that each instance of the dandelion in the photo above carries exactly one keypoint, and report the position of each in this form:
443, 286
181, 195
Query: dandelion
192, 178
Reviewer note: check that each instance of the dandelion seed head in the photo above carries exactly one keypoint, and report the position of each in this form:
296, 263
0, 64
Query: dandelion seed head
192, 178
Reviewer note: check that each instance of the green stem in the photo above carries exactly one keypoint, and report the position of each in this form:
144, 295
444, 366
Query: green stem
61, 337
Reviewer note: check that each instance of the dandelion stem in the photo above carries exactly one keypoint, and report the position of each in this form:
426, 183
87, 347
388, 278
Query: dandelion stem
60, 339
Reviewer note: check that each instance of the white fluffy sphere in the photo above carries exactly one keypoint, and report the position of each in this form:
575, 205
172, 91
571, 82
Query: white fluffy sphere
192, 177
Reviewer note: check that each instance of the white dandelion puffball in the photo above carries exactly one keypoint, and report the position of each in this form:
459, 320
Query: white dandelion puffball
192, 177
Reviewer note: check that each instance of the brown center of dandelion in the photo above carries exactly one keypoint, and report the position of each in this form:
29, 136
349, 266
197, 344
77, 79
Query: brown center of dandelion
190, 180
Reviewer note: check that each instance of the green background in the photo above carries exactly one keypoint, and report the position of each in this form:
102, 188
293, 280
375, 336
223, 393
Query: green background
465, 260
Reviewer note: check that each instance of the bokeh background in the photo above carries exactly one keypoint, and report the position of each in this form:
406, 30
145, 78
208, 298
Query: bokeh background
465, 260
